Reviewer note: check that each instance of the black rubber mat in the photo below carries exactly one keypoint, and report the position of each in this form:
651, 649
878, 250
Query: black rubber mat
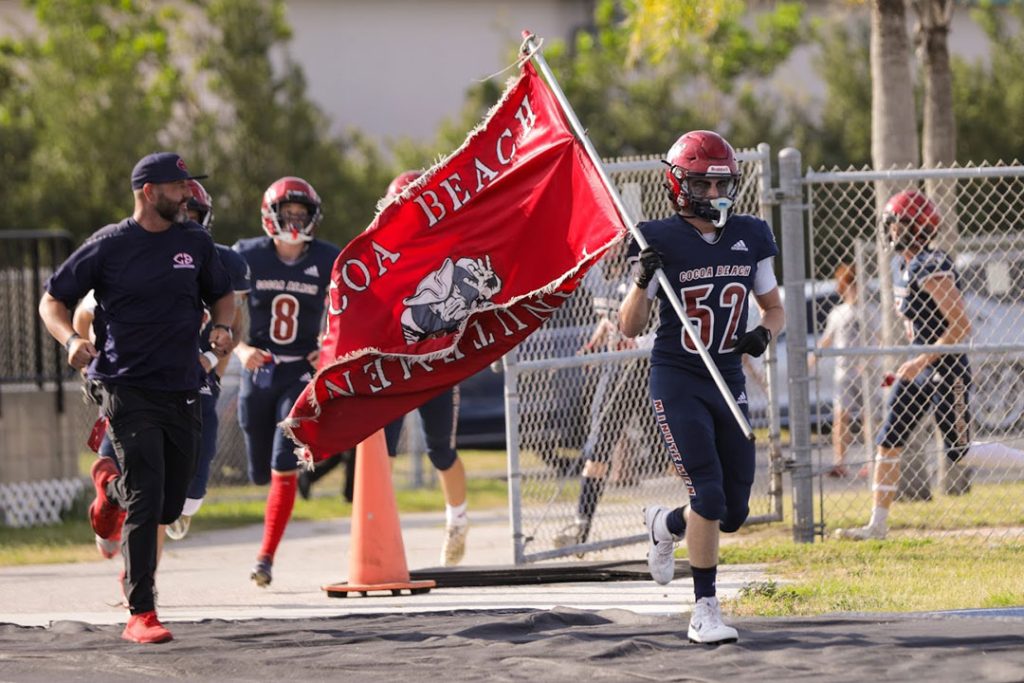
564, 572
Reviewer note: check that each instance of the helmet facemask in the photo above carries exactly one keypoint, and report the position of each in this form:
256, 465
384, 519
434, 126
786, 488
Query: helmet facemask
287, 224
695, 188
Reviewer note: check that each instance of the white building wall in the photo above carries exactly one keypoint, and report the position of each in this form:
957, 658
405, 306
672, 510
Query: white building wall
398, 68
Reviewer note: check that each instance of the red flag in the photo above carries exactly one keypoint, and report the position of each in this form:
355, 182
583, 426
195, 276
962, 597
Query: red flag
458, 269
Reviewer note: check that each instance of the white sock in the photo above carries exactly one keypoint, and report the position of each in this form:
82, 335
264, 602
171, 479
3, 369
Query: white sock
192, 506
879, 518
456, 515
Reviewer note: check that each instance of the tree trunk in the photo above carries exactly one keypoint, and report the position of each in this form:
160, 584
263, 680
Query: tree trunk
939, 143
893, 127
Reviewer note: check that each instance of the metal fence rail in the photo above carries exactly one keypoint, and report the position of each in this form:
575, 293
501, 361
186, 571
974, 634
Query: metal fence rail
27, 352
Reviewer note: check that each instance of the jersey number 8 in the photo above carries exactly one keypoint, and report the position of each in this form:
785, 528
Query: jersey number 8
284, 319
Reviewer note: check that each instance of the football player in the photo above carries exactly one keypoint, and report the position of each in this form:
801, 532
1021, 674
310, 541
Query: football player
928, 296
290, 272
716, 260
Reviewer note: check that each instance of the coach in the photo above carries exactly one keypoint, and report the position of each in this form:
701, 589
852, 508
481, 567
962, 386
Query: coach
151, 273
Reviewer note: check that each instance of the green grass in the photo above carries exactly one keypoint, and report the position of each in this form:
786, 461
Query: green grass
235, 506
878, 576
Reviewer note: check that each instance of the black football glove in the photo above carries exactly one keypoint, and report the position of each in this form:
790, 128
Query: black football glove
754, 342
650, 262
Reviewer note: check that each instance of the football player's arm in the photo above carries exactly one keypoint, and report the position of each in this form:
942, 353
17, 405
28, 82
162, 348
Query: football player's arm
223, 314
773, 315
950, 302
250, 356
82, 320
635, 311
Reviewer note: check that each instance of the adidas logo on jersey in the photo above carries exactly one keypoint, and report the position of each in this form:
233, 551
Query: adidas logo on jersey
742, 398
312, 271
740, 246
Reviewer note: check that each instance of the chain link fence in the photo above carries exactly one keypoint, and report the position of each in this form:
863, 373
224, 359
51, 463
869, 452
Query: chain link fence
847, 253
585, 452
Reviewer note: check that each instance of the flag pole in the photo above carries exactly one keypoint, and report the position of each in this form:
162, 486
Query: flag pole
532, 51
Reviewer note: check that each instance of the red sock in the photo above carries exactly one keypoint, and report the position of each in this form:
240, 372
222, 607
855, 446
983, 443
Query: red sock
280, 502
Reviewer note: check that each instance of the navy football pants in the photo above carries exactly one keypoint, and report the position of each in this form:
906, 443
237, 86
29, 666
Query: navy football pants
708, 448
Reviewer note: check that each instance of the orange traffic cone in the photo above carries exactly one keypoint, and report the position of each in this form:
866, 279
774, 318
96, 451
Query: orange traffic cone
377, 554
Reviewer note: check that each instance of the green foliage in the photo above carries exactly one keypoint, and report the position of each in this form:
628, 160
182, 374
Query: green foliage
67, 97
701, 79
264, 126
989, 98
104, 82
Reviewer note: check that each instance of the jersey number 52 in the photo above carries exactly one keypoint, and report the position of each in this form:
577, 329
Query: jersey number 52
702, 315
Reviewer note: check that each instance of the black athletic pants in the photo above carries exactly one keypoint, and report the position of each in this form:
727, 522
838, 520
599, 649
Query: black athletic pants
156, 435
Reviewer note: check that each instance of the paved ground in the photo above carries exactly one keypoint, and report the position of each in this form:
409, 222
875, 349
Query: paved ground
206, 576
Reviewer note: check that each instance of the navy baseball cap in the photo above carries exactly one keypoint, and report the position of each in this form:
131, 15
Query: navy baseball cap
160, 167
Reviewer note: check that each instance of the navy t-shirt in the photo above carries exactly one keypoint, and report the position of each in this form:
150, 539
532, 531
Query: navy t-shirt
713, 282
286, 302
150, 291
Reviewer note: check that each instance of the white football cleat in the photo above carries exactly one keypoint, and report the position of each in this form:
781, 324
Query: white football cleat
862, 533
178, 529
661, 559
454, 548
706, 625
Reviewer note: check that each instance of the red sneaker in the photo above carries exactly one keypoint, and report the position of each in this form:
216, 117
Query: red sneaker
105, 515
146, 628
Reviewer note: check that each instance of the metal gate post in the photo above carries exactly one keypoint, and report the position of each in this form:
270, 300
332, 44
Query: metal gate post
515, 478
795, 275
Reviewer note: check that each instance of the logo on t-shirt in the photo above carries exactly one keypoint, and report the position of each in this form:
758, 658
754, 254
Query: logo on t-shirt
740, 246
312, 271
183, 260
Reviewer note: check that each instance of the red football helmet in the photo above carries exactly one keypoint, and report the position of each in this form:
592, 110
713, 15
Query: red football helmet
695, 159
402, 181
283, 191
911, 219
201, 203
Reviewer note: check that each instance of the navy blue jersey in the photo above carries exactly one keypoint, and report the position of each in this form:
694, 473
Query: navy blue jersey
238, 273
925, 323
713, 281
286, 302
150, 291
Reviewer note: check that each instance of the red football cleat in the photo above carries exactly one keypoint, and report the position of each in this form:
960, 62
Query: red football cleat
146, 628
105, 515
110, 547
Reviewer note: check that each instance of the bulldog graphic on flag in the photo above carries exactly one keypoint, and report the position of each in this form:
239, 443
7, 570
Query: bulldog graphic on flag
455, 271
447, 296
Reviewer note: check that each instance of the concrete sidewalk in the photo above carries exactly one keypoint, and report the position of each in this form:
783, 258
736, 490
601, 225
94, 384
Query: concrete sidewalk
206, 576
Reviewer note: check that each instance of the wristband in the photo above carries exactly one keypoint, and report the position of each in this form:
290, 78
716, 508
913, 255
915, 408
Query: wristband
73, 337
212, 357
226, 328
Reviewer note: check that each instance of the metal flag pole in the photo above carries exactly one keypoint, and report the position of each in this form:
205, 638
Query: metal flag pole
531, 50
